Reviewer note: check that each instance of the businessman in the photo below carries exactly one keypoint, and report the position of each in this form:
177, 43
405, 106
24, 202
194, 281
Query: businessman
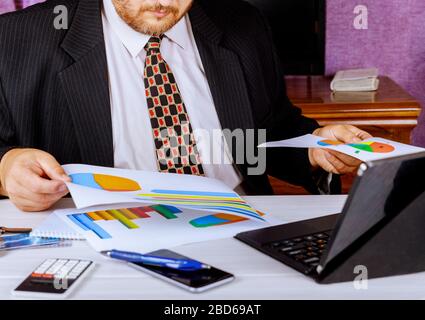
105, 88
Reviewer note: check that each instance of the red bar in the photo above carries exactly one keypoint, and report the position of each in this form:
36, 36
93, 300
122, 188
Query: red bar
141, 212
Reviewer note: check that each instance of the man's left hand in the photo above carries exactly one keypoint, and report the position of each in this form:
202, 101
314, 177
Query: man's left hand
333, 161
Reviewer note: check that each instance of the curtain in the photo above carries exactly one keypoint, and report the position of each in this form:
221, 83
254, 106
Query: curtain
394, 42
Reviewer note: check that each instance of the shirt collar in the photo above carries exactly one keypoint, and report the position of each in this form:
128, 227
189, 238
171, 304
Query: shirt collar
135, 41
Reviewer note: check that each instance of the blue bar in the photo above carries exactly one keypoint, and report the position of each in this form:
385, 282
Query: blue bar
78, 223
197, 193
83, 219
172, 208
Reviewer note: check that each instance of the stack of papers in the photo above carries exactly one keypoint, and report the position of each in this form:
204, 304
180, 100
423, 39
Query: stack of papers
143, 211
355, 80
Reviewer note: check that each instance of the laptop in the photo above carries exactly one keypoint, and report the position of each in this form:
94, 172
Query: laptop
381, 227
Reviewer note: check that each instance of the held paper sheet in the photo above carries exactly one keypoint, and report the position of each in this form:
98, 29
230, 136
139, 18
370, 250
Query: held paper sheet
367, 150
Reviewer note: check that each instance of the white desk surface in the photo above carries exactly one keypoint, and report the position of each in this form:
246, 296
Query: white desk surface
257, 275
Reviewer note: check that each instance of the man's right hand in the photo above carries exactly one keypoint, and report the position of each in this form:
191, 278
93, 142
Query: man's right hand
32, 179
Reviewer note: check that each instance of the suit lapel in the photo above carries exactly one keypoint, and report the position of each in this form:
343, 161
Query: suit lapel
85, 84
223, 71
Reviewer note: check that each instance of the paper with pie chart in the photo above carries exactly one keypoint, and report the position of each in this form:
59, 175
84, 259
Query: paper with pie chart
367, 150
93, 186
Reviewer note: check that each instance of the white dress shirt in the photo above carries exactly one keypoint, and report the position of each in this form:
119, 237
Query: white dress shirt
132, 132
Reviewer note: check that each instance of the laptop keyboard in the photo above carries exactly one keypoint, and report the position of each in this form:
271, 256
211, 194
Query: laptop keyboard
306, 249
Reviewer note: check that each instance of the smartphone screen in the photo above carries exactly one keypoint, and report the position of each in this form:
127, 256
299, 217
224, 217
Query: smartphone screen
193, 279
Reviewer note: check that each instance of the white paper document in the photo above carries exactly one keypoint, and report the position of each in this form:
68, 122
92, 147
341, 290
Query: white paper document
143, 211
140, 228
93, 186
367, 150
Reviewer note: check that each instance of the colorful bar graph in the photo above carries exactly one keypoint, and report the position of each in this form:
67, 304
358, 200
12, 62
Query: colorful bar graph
125, 216
88, 223
123, 219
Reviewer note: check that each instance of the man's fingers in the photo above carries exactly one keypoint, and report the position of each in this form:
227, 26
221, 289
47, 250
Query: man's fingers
18, 189
348, 133
28, 205
36, 184
342, 133
321, 159
348, 160
340, 166
363, 135
52, 168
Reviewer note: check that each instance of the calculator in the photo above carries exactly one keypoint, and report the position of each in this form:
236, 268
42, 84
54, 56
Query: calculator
54, 278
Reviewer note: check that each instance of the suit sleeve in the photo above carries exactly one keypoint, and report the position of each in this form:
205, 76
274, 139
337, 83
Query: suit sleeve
7, 131
286, 121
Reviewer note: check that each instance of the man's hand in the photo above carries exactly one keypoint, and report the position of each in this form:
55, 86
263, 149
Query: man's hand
332, 161
32, 179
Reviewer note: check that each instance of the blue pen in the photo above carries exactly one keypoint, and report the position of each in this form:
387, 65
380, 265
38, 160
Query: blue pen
178, 264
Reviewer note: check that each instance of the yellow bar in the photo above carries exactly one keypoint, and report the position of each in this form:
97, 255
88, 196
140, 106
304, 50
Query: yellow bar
129, 214
105, 215
94, 216
123, 219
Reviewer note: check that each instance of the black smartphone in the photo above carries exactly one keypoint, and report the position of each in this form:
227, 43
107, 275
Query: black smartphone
194, 281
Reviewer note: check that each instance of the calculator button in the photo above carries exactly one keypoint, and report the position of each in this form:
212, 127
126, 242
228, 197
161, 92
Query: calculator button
56, 266
45, 266
73, 275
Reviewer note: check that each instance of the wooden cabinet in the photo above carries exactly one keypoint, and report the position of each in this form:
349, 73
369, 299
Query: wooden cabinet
389, 113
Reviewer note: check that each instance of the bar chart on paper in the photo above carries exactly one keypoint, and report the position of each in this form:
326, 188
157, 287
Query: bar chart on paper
155, 226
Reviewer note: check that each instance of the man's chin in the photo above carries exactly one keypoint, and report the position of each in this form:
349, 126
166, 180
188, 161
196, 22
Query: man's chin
158, 27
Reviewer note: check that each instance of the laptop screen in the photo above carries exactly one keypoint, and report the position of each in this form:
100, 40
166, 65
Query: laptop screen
382, 192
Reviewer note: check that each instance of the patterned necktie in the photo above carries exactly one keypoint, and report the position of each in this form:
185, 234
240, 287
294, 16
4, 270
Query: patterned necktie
174, 140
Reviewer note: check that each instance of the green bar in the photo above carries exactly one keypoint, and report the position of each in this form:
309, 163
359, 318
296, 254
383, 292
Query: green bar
165, 212
123, 219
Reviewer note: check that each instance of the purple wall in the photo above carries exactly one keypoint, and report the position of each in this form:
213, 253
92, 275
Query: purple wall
394, 42
10, 5
6, 6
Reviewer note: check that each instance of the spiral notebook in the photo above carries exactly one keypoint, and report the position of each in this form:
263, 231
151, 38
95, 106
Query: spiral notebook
54, 227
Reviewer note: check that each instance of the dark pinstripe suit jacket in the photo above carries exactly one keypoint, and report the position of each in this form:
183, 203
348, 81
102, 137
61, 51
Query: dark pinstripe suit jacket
54, 91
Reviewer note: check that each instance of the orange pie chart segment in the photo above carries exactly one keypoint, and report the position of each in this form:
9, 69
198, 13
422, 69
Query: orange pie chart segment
105, 182
114, 183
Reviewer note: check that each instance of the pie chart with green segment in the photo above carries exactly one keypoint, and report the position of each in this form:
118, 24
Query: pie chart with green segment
105, 182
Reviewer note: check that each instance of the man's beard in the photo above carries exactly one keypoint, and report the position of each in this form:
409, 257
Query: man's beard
162, 25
